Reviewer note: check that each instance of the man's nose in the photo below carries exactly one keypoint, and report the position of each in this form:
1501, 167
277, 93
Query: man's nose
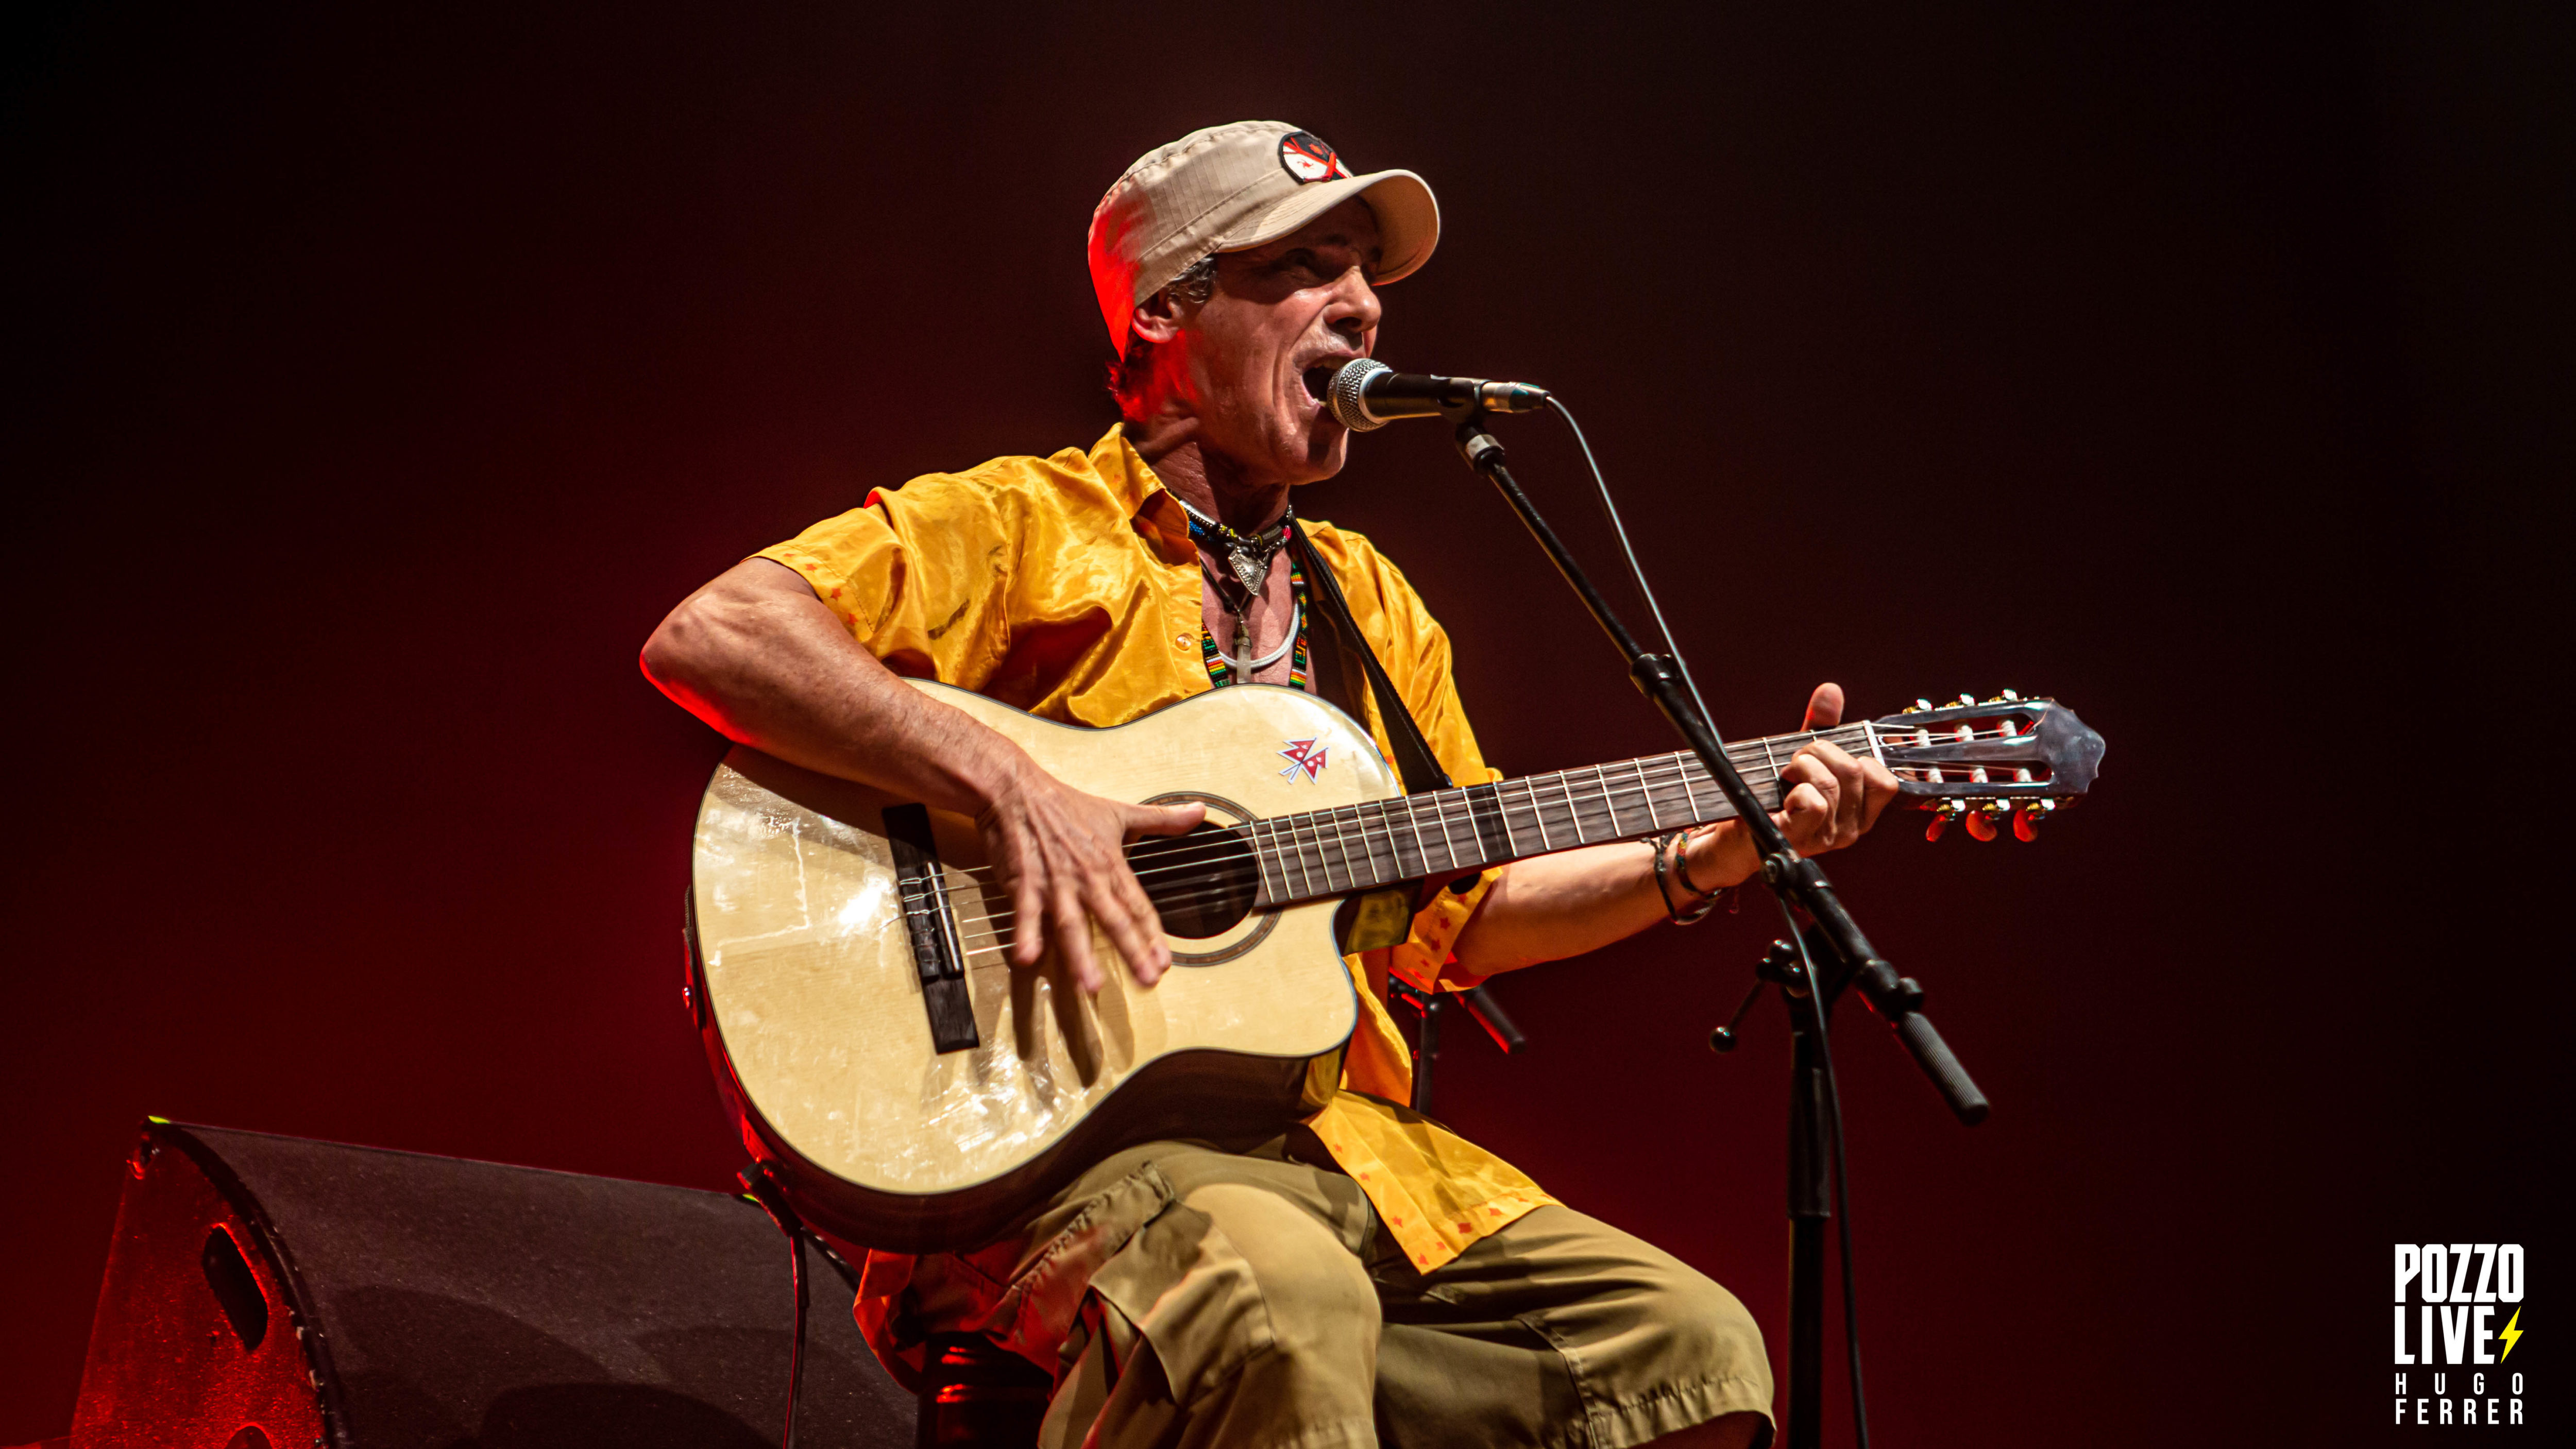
1354, 311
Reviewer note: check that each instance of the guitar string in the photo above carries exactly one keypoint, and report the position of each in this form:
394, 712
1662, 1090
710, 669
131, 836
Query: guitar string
1369, 845
1327, 832
1315, 830
1656, 792
1370, 842
997, 926
1306, 827
1292, 837
975, 942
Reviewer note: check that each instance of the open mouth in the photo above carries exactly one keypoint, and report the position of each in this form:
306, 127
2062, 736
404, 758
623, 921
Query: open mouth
1319, 378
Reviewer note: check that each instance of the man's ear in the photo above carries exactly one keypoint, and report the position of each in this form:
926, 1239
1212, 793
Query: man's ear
1157, 319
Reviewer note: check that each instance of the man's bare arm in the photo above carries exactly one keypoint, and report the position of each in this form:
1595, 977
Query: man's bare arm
758, 657
1550, 907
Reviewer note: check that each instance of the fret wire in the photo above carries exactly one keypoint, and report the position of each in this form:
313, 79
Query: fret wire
1654, 820
1609, 802
1475, 843
1261, 857
1566, 789
1448, 843
1530, 792
1475, 827
1368, 846
1421, 850
1323, 850
1311, 837
1304, 839
1344, 818
1342, 840
1360, 813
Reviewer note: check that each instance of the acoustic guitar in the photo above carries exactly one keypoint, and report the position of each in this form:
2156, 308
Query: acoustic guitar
849, 962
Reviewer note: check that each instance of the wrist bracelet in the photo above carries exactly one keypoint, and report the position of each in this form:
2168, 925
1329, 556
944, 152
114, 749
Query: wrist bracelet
1665, 868
1681, 869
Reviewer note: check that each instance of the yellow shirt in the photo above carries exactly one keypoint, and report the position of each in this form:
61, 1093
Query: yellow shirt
1068, 587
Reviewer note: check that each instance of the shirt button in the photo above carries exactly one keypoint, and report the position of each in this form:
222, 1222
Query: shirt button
1180, 641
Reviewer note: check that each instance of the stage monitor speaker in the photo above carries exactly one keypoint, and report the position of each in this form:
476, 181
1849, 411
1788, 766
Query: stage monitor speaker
275, 1293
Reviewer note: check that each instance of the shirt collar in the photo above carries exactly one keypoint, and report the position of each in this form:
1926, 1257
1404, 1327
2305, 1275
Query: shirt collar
1129, 477
1131, 480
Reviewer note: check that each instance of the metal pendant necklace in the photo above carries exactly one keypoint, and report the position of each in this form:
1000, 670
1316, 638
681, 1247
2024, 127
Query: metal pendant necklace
1249, 557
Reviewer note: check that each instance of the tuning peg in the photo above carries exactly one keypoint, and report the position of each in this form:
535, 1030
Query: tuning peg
2026, 820
2006, 697
1966, 699
1987, 820
1917, 707
1943, 812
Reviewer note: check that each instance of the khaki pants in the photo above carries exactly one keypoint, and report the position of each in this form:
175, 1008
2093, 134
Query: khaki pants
1187, 1296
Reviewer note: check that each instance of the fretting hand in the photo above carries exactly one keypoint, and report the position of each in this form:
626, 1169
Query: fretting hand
1832, 800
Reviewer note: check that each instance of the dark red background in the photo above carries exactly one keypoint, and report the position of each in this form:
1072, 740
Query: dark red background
375, 386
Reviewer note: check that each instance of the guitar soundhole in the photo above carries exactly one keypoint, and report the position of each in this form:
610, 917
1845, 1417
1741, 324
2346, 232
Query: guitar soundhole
1201, 883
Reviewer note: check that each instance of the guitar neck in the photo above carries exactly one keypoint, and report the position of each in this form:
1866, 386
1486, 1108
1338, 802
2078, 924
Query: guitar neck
1380, 842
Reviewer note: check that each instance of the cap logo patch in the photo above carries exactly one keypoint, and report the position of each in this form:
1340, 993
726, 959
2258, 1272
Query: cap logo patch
1308, 158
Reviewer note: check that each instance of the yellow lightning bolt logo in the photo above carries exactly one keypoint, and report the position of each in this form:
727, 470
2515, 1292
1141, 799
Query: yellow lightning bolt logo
2511, 1334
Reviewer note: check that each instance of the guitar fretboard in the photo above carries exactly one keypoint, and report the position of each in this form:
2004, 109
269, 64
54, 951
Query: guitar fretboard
1361, 847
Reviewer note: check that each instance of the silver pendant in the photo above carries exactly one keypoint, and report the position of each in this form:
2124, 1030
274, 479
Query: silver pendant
1251, 571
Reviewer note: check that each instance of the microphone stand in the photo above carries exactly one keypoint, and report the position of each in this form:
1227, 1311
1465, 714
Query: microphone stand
1833, 938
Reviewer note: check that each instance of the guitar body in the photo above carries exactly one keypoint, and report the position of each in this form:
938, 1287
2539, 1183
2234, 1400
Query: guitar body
849, 958
812, 1004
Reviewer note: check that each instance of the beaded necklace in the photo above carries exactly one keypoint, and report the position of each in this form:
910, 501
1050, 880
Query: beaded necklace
1220, 671
1250, 555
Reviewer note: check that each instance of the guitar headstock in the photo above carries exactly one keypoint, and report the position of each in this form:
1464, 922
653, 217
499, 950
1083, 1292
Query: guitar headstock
1980, 761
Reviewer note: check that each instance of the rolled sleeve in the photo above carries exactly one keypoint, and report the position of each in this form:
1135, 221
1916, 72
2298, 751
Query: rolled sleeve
1427, 958
919, 575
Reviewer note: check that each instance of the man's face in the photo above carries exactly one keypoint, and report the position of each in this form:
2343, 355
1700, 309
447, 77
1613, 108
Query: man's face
1298, 306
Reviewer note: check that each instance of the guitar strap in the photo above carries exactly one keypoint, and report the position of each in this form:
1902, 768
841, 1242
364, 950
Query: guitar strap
1414, 761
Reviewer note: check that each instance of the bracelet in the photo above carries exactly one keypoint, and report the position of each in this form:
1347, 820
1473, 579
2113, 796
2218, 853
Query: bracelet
1681, 869
1665, 868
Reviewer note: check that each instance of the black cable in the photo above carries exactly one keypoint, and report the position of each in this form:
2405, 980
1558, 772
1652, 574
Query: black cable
1815, 983
796, 1340
1841, 1203
1842, 1224
762, 1189
1636, 570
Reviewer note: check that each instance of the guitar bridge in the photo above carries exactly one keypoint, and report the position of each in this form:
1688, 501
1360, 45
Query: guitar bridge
933, 928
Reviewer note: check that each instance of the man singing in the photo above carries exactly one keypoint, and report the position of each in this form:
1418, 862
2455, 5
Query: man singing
1368, 1276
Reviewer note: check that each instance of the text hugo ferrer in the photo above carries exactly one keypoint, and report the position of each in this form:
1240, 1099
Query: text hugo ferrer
2465, 1283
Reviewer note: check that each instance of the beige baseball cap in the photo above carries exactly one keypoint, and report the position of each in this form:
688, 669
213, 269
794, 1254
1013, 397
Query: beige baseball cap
1236, 186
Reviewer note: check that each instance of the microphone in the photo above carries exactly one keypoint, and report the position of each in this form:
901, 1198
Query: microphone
1365, 393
